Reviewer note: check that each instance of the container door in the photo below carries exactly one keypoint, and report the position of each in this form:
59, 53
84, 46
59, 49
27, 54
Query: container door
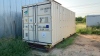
44, 23
28, 29
25, 23
31, 23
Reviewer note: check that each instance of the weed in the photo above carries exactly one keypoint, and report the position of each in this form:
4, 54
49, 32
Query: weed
13, 47
90, 30
84, 31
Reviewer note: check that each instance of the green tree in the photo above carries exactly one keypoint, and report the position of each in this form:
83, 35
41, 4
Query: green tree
79, 18
84, 20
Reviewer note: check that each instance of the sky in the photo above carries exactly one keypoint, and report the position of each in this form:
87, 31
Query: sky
82, 7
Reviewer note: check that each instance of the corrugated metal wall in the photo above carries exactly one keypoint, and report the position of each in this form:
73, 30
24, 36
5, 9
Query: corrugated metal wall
11, 16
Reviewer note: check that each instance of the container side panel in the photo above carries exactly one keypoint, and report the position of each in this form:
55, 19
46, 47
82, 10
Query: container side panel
92, 20
56, 23
53, 23
63, 23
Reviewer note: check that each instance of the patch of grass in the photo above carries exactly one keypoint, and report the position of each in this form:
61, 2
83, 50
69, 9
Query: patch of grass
90, 30
13, 47
80, 26
66, 42
84, 31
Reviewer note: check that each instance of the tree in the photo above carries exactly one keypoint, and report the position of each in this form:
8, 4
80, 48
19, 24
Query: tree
79, 18
84, 20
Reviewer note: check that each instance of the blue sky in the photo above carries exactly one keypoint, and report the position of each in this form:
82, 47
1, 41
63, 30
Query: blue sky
82, 7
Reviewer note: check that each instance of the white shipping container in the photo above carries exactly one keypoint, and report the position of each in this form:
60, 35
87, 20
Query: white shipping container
47, 23
92, 20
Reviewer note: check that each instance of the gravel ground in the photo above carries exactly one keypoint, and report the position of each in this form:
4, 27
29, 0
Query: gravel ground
84, 45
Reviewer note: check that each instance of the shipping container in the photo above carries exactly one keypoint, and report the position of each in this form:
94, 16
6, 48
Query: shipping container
47, 23
92, 20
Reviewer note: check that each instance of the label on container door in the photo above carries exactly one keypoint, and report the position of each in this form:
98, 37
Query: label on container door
43, 34
25, 19
44, 9
30, 19
26, 12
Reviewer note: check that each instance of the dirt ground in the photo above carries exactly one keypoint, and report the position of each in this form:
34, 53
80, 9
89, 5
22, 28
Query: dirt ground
84, 45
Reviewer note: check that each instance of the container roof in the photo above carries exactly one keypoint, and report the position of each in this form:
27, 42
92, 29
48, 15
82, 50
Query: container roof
92, 15
46, 1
